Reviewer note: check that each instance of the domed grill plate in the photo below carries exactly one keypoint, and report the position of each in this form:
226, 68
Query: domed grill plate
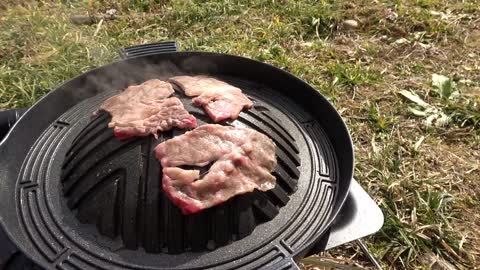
116, 185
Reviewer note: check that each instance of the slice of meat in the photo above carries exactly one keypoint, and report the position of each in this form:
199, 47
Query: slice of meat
145, 109
219, 99
223, 104
242, 158
143, 119
194, 86
148, 91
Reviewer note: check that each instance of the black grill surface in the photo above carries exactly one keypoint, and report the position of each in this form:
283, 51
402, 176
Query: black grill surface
88, 200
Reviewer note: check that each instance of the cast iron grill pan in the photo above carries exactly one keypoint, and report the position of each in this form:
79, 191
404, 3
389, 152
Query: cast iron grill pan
68, 232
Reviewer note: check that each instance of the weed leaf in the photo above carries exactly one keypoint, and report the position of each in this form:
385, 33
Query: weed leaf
444, 86
414, 98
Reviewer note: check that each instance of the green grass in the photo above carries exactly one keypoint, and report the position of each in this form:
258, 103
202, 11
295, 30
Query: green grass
351, 75
380, 123
427, 188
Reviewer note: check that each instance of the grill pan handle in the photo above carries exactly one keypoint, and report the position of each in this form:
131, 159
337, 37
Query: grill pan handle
149, 49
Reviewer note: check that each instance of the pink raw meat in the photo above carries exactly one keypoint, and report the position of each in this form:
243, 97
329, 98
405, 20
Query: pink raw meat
145, 109
195, 85
242, 158
219, 99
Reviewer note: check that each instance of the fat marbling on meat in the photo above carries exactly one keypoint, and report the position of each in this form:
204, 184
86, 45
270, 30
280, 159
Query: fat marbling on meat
219, 99
146, 109
242, 158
